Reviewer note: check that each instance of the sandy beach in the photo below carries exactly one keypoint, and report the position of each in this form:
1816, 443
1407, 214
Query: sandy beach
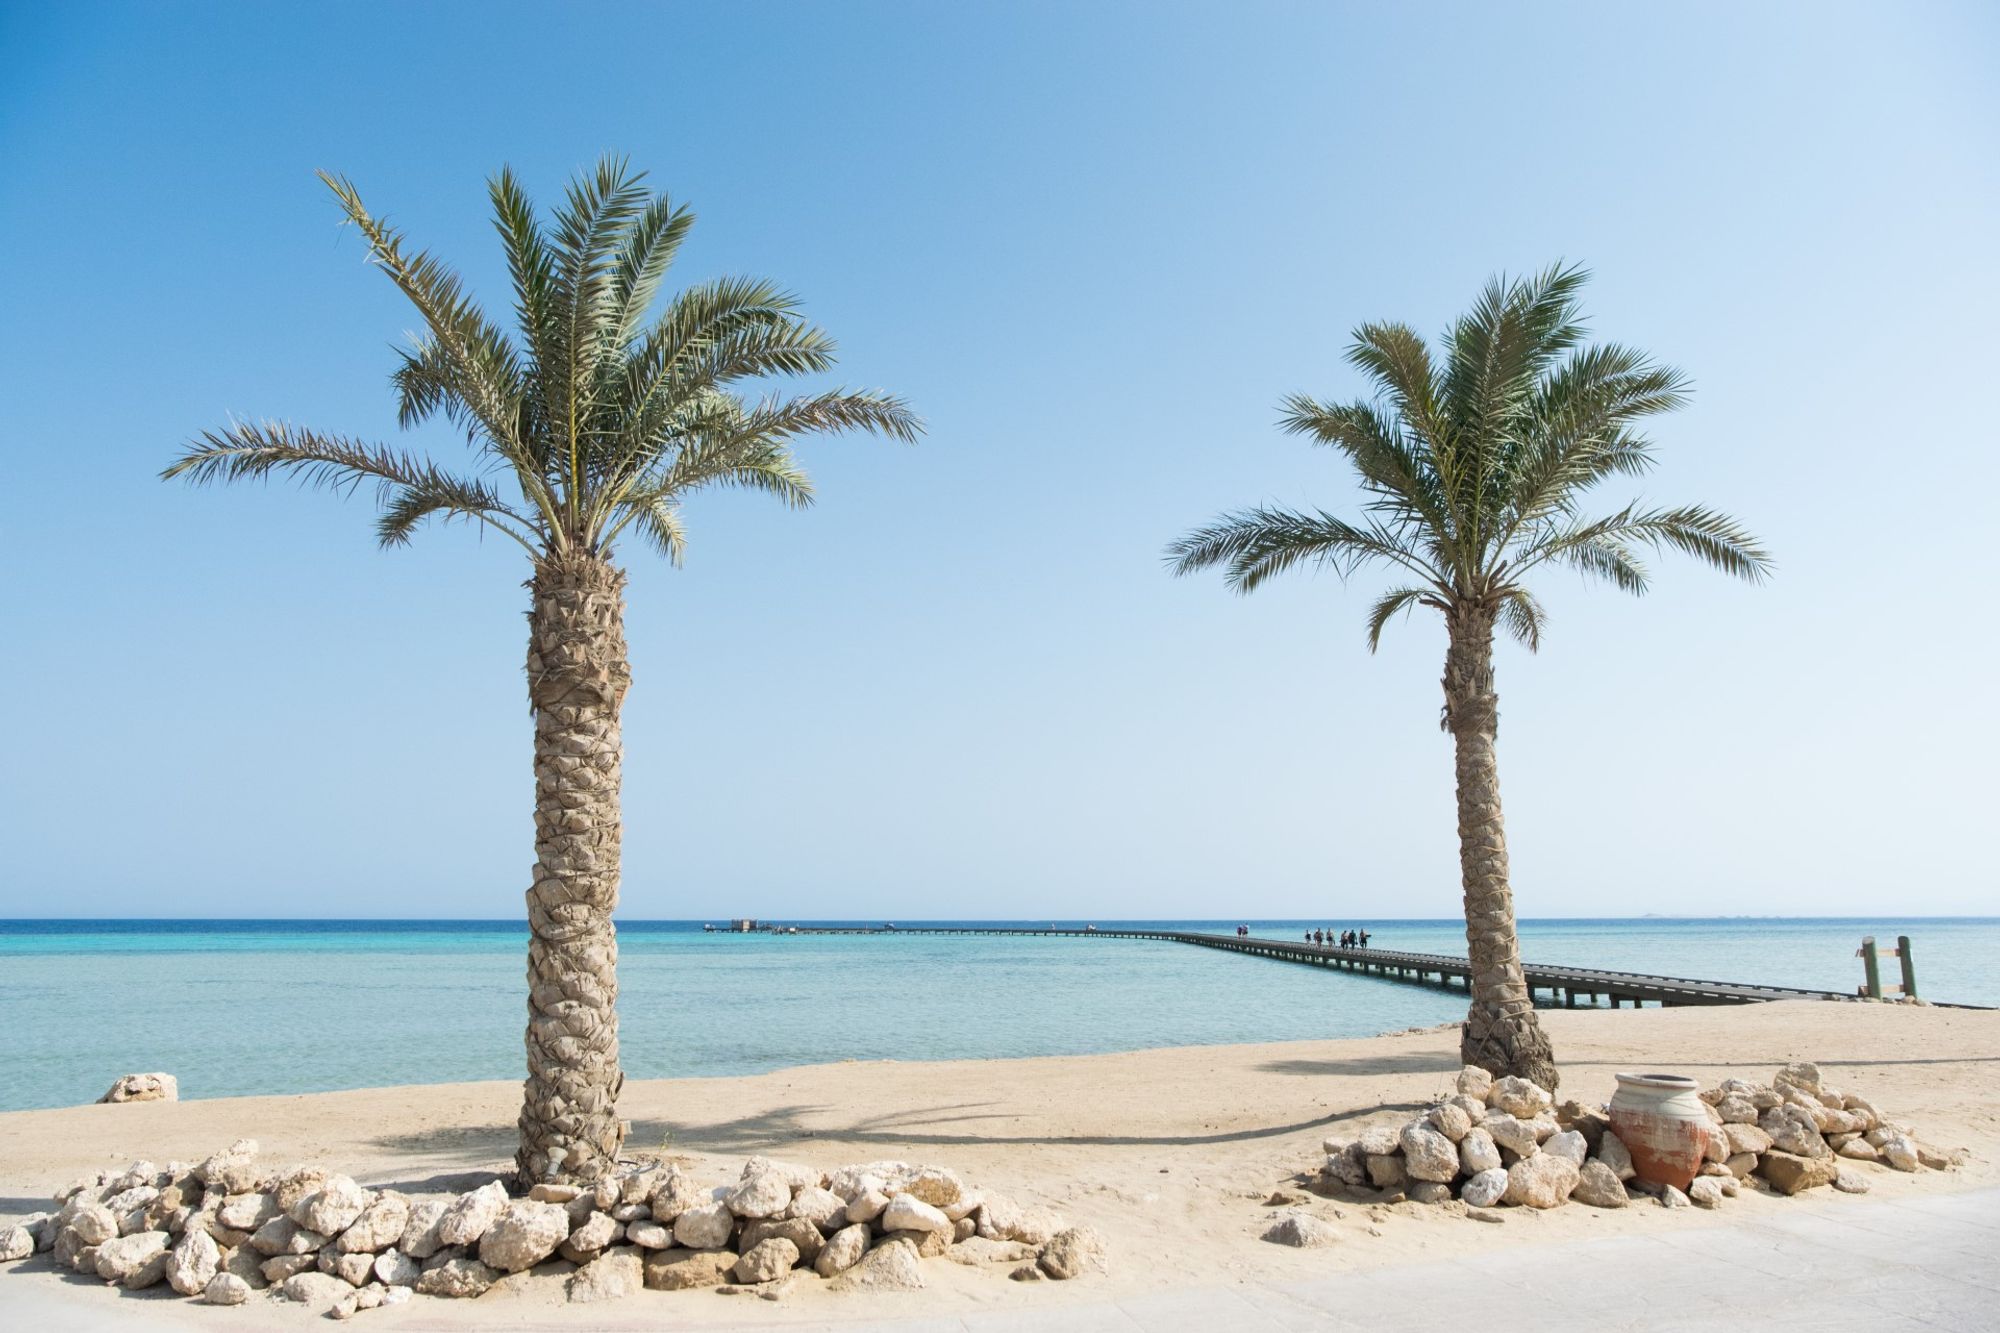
1170, 1154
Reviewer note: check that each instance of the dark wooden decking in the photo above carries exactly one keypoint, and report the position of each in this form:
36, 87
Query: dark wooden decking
1550, 985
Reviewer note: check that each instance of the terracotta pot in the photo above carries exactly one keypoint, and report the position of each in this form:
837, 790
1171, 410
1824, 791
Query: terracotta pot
1662, 1123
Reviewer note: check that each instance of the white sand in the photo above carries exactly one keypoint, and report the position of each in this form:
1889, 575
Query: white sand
1170, 1154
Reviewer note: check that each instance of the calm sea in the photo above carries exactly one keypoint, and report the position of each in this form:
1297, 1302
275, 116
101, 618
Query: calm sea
234, 1007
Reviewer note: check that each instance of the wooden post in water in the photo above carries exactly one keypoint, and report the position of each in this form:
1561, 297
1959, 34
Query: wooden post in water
1909, 967
1871, 966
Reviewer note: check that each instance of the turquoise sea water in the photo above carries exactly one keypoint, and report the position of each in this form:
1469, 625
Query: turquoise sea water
236, 1007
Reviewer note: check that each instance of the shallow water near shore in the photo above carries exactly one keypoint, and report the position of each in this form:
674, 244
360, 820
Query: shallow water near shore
242, 1007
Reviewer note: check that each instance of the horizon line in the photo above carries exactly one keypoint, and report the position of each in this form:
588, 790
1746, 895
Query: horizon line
965, 920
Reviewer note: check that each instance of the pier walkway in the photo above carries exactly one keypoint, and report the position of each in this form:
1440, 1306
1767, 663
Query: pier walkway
1551, 985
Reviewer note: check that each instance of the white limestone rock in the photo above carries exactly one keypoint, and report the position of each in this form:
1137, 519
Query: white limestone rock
906, 1212
939, 1188
977, 1250
134, 1261
822, 1207
1484, 1189
705, 1228
460, 1277
226, 1289
792, 1173
648, 1235
598, 1230
1541, 1181
1450, 1120
1801, 1077
526, 1233
92, 1224
674, 1194
1745, 1138
611, 1277
803, 1235
849, 1181
143, 1088
1428, 1154
1793, 1130
1381, 1140
1072, 1253
246, 1212
1598, 1185
1568, 1144
1511, 1133
1705, 1192
468, 1216
1475, 1082
890, 1266
193, 1263
765, 1194
277, 1269
995, 1218
379, 1226
1519, 1098
1611, 1151
420, 1238
1735, 1110
332, 1208
393, 1268
867, 1205
354, 1269
844, 1248
1477, 1151
767, 1261
318, 1290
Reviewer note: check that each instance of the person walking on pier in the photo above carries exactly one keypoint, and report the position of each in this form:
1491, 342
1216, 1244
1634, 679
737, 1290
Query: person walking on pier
1362, 939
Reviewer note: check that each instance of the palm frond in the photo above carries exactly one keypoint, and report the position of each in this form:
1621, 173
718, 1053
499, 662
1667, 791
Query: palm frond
1390, 604
1603, 546
411, 487
487, 377
1398, 475
1253, 544
1522, 616
643, 260
659, 522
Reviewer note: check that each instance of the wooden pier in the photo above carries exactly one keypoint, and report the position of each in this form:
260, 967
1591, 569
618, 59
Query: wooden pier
1565, 986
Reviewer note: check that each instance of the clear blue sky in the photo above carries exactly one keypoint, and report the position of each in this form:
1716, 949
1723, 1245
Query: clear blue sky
1094, 244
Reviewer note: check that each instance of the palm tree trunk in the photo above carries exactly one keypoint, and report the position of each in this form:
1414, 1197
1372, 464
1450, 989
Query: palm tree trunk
577, 677
1501, 1033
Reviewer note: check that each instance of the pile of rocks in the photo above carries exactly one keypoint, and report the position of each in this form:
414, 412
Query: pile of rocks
1796, 1133
1499, 1142
225, 1228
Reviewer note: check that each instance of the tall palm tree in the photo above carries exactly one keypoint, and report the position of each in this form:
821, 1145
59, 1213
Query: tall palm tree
1476, 466
604, 420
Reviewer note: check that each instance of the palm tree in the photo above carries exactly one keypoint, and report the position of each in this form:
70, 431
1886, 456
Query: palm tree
604, 420
1476, 471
